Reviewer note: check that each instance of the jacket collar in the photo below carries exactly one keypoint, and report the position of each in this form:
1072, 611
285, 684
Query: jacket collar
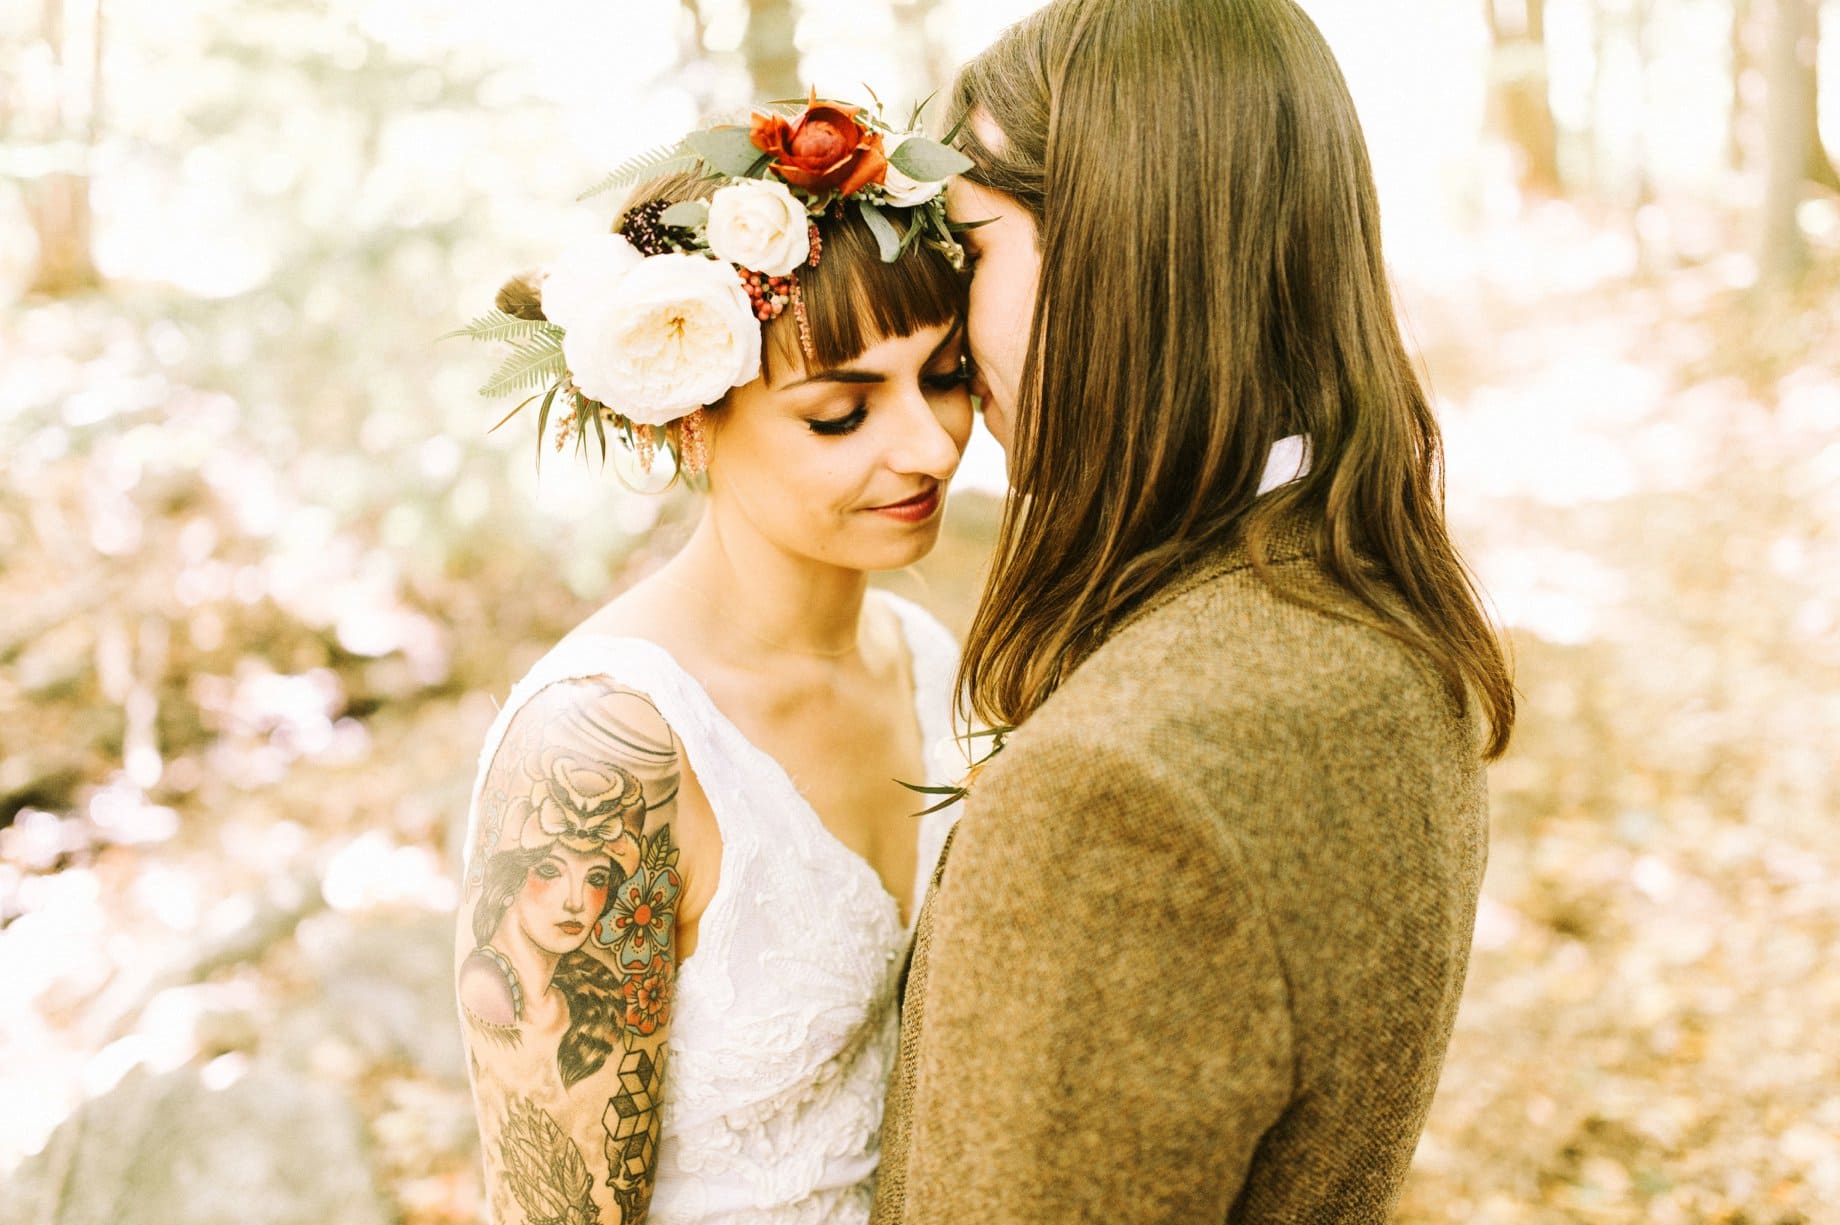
1291, 536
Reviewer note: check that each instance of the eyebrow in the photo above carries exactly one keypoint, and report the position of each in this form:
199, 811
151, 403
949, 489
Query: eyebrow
846, 375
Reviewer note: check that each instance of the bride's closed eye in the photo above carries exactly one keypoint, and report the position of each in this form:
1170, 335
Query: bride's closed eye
959, 375
836, 426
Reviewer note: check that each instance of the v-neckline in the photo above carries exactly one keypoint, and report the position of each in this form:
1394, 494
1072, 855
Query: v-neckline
727, 725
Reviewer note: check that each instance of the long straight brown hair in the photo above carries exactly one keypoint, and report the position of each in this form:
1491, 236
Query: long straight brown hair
1211, 281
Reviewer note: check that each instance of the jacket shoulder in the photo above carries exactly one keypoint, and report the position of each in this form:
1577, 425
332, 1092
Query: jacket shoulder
1233, 659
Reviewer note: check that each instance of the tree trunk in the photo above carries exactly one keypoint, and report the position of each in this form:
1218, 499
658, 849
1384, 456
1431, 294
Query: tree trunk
1743, 63
58, 203
1820, 165
771, 49
1788, 67
1519, 106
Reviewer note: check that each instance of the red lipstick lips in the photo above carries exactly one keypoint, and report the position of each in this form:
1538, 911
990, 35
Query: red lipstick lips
917, 509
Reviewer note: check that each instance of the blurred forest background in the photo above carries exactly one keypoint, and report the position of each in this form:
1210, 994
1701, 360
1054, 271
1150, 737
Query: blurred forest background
263, 573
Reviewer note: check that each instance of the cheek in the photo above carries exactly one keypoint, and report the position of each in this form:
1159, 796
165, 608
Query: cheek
790, 483
596, 899
540, 890
1002, 304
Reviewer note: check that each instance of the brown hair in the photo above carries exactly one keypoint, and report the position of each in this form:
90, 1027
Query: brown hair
1197, 167
852, 299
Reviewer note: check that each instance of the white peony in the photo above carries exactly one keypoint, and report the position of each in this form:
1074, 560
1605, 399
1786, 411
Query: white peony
676, 334
759, 225
581, 280
905, 192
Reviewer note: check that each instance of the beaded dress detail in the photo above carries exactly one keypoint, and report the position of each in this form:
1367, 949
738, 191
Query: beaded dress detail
785, 1020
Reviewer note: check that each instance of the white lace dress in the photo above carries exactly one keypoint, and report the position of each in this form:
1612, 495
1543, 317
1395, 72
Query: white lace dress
785, 1019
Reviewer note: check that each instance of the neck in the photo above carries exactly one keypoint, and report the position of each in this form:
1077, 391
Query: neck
757, 598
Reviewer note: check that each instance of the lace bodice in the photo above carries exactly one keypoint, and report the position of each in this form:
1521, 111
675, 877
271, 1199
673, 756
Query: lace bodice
785, 1020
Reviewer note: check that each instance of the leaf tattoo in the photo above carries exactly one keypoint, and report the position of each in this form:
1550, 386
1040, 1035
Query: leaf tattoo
544, 1168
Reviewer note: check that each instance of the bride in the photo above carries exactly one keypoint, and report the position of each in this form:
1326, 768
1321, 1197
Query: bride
691, 870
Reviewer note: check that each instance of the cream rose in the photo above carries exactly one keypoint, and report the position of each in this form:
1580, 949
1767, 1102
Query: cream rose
903, 191
759, 225
581, 280
675, 334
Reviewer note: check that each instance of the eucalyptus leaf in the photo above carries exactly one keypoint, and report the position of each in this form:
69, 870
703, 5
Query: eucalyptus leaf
726, 150
689, 214
928, 161
886, 237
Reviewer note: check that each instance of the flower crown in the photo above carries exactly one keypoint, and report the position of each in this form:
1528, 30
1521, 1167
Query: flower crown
643, 327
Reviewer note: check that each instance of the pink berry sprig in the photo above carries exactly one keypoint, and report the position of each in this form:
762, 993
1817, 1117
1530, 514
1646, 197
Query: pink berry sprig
769, 294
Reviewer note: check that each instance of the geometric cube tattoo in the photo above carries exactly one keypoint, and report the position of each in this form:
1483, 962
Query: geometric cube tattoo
631, 1119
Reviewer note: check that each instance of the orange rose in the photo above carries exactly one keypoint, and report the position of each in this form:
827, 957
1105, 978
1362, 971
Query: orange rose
823, 148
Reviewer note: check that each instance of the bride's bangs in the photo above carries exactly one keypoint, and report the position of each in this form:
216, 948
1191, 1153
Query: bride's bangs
853, 300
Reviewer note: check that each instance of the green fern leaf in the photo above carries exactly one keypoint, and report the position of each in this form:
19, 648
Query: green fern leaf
665, 159
497, 325
531, 363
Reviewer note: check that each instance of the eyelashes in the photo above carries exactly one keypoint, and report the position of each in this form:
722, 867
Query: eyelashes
836, 427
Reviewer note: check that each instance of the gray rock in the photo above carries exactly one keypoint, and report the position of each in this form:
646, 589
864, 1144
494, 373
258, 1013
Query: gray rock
383, 992
269, 1149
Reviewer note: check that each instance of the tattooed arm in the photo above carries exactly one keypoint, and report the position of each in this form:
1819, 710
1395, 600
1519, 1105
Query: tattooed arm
567, 954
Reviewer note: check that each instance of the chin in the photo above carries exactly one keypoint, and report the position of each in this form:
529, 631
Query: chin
913, 545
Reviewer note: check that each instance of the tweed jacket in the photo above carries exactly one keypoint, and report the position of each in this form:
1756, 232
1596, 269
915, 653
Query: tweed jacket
1195, 947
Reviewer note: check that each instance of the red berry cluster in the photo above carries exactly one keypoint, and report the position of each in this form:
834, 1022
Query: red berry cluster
769, 294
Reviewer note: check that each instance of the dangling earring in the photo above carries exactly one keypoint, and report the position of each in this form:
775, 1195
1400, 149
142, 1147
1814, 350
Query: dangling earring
693, 444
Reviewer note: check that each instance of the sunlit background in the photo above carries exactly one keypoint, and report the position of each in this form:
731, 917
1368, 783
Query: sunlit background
263, 573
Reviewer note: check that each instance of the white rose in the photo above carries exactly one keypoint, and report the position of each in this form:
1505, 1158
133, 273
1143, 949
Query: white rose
905, 192
581, 280
759, 225
674, 335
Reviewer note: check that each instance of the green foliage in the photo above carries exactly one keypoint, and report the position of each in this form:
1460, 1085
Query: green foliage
887, 238
497, 325
531, 363
688, 214
728, 150
928, 160
653, 163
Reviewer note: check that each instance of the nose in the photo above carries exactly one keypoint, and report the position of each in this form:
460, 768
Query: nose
924, 444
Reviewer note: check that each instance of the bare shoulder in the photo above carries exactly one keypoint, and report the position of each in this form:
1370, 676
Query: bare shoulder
599, 748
